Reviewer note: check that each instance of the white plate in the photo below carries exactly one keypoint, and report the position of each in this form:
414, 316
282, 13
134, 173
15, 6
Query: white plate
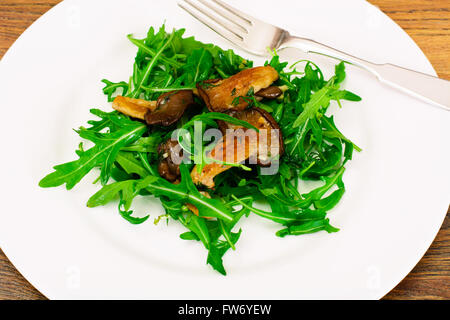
397, 189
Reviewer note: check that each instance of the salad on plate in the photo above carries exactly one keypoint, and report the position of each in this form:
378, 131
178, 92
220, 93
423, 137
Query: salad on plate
216, 139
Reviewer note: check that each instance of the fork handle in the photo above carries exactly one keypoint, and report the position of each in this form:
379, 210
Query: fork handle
423, 86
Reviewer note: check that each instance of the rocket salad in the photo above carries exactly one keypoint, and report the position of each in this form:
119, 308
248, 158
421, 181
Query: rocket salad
153, 144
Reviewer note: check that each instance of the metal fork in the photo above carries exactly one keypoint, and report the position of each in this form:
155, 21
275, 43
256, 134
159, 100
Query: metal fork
256, 37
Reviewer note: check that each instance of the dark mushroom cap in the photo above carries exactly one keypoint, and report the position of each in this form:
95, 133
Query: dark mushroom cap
170, 107
259, 118
169, 167
271, 92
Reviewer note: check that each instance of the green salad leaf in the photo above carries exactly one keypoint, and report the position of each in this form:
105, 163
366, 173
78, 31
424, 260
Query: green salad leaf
103, 154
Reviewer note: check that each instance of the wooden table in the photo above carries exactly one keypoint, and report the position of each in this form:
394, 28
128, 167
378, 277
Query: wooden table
426, 21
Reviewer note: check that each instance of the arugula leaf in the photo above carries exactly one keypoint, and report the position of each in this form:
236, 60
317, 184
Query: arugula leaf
218, 250
339, 71
276, 64
230, 63
319, 99
344, 95
329, 182
103, 153
130, 164
127, 215
331, 201
216, 229
207, 207
199, 228
145, 144
187, 45
136, 92
111, 88
287, 217
197, 67
145, 49
332, 131
278, 217
309, 227
128, 188
219, 116
189, 236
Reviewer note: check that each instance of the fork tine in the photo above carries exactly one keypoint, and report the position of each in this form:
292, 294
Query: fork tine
211, 21
250, 20
234, 19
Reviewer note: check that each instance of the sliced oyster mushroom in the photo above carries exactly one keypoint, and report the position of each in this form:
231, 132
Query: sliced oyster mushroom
219, 95
136, 108
234, 148
262, 120
170, 155
170, 107
244, 144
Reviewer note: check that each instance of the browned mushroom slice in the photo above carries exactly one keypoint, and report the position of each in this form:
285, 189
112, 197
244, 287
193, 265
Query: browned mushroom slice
136, 108
170, 156
219, 95
241, 144
268, 130
170, 107
234, 147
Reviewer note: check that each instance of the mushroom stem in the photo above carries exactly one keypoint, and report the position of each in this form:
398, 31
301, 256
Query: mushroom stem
135, 108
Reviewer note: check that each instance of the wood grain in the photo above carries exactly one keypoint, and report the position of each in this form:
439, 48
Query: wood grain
426, 21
